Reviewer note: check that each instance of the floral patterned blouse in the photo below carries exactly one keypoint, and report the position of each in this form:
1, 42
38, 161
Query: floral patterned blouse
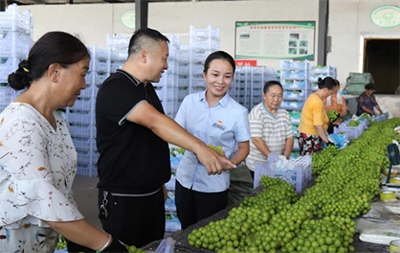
37, 168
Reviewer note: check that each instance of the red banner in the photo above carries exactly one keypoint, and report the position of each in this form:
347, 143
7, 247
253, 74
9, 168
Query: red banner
246, 62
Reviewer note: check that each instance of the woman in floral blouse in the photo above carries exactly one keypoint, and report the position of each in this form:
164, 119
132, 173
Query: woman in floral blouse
37, 156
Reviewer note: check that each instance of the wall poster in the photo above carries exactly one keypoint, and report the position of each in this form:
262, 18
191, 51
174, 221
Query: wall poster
275, 40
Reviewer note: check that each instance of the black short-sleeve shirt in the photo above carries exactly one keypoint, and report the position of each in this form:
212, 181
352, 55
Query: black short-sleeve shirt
132, 159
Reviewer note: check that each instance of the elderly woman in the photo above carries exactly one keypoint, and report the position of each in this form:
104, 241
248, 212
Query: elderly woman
270, 127
367, 101
314, 120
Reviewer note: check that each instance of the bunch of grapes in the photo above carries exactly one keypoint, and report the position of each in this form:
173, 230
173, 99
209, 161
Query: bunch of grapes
354, 123
62, 243
177, 151
134, 249
217, 149
366, 116
333, 115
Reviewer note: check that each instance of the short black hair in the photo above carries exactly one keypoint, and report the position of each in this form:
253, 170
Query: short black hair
370, 86
271, 83
137, 42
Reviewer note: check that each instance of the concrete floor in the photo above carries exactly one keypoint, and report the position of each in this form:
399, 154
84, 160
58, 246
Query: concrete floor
85, 192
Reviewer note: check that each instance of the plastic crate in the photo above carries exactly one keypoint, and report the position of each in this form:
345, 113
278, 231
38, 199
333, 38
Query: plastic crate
83, 105
80, 118
7, 66
14, 44
98, 66
204, 33
87, 170
380, 117
95, 78
12, 20
292, 105
297, 177
82, 131
99, 53
350, 132
84, 145
115, 65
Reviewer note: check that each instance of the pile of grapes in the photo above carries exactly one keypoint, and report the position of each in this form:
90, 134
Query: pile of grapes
321, 220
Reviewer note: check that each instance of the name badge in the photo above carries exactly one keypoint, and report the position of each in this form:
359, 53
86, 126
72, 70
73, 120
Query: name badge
219, 125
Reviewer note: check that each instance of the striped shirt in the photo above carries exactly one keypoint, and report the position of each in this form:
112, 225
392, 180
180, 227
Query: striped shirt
273, 129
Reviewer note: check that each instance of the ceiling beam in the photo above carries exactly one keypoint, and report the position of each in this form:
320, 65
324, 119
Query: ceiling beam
113, 1
15, 2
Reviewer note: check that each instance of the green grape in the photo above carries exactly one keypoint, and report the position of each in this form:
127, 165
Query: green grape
276, 219
332, 115
354, 122
62, 243
218, 149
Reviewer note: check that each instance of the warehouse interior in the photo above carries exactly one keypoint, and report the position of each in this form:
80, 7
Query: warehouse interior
338, 53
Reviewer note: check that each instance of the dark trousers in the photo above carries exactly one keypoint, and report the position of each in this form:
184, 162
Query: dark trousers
252, 174
135, 220
193, 206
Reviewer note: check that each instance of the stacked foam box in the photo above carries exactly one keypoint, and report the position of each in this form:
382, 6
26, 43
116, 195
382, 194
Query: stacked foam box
247, 86
183, 72
320, 72
167, 89
294, 79
81, 116
202, 42
172, 222
241, 86
15, 42
117, 46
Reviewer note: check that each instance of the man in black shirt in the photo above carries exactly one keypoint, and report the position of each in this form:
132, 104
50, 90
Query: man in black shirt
132, 139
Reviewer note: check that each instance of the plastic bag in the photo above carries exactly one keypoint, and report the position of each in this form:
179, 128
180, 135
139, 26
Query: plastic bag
379, 225
339, 140
166, 246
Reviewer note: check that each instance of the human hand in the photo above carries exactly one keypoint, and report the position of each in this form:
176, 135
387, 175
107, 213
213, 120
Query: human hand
214, 162
329, 143
337, 121
272, 157
115, 246
165, 192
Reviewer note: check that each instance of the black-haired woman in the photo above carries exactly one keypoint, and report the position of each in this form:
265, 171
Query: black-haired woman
217, 119
38, 160
314, 120
367, 101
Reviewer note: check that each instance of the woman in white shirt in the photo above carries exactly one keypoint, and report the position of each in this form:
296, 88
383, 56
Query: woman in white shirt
38, 160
